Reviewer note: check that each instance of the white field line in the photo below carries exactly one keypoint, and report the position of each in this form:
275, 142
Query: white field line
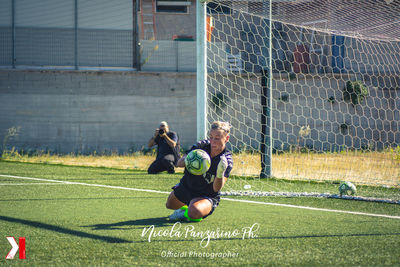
32, 184
228, 199
311, 208
77, 183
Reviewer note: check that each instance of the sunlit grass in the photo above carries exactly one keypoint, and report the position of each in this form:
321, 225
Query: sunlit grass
70, 224
137, 160
374, 168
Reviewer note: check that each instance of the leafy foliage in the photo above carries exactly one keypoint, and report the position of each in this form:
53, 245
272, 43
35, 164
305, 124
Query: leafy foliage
355, 92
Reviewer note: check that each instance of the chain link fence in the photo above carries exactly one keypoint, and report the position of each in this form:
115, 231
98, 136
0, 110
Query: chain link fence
67, 34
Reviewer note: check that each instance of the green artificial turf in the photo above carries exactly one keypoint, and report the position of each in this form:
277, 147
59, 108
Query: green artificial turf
81, 225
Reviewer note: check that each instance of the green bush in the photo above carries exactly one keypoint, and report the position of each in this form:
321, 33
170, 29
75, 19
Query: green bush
396, 153
355, 92
219, 101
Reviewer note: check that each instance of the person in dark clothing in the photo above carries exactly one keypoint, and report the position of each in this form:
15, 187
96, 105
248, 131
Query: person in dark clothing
196, 196
167, 149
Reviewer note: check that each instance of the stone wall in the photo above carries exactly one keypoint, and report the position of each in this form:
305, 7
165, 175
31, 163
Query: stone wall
309, 100
87, 111
81, 111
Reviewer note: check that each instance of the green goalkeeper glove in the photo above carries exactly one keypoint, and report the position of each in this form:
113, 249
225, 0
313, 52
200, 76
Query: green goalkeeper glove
222, 165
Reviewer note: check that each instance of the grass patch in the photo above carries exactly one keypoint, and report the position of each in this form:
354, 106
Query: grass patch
78, 225
369, 168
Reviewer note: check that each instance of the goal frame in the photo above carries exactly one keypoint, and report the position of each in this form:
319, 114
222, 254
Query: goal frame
201, 88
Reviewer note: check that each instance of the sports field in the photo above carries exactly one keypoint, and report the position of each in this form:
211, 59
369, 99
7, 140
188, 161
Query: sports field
81, 216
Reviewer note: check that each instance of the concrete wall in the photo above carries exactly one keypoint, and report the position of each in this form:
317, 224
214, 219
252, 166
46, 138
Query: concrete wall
162, 55
82, 111
372, 124
77, 111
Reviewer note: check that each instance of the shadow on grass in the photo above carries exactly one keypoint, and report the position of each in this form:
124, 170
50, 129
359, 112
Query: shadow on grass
163, 222
157, 222
62, 230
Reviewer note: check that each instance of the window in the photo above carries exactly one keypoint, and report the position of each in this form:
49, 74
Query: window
174, 6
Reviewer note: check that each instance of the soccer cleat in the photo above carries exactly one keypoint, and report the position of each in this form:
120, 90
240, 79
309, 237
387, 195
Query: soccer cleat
178, 215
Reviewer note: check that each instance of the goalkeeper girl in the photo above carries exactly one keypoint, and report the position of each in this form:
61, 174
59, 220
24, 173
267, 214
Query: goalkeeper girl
196, 196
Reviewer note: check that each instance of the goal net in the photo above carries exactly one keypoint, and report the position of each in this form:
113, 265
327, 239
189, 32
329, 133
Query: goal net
312, 91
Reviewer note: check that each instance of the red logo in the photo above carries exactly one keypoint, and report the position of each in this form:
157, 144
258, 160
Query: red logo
15, 248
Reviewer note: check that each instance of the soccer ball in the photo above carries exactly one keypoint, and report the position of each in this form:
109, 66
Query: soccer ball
346, 187
197, 162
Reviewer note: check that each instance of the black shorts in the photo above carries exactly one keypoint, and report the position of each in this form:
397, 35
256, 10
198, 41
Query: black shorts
185, 195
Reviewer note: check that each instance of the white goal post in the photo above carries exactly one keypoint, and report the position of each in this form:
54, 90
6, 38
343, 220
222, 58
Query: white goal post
201, 71
201, 55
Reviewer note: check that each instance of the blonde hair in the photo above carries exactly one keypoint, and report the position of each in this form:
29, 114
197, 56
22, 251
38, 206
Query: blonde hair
221, 125
164, 123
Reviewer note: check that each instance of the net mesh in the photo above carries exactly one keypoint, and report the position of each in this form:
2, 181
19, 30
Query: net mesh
325, 88
367, 19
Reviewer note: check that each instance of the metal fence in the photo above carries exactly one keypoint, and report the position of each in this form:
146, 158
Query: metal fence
67, 33
163, 55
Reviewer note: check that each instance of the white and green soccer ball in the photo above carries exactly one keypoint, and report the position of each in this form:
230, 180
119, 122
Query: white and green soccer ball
197, 162
347, 188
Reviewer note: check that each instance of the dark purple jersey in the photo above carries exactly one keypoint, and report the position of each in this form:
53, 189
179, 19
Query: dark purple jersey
202, 185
